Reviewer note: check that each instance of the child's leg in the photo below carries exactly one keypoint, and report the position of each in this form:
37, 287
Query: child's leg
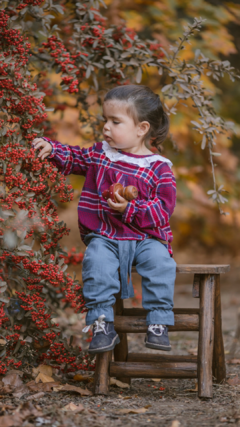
100, 283
158, 271
100, 278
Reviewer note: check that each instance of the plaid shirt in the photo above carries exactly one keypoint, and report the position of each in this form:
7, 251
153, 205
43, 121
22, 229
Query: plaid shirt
145, 217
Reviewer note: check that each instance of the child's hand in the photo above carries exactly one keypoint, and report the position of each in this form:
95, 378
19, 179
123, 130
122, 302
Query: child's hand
120, 206
45, 145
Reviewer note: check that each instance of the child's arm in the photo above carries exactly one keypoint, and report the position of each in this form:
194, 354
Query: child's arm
156, 211
67, 159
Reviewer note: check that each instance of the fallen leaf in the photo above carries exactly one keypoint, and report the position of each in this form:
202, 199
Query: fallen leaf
118, 383
234, 362
12, 379
84, 378
72, 407
68, 387
15, 420
20, 391
193, 389
43, 369
7, 389
175, 423
127, 397
47, 387
156, 380
27, 409
148, 406
21, 413
35, 396
193, 351
133, 411
234, 381
43, 378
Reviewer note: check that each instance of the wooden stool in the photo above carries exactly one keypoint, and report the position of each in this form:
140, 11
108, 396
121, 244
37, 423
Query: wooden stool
206, 319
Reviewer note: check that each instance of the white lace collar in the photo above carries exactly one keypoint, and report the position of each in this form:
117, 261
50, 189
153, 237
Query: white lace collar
143, 162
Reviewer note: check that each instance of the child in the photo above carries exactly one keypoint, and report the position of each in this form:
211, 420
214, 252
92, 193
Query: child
125, 233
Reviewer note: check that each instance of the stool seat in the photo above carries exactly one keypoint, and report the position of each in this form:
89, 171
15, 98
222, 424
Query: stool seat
206, 320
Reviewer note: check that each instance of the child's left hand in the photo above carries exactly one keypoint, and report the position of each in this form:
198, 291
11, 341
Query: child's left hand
120, 206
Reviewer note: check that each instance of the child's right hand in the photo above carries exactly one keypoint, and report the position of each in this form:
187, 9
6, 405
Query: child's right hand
45, 145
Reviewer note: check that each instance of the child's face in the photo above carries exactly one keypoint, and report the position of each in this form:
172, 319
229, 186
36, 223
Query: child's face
119, 129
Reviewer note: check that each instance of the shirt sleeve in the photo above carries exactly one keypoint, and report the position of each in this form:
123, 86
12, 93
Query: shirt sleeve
156, 211
70, 159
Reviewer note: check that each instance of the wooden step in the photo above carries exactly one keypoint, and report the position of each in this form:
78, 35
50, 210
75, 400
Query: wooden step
200, 268
159, 358
137, 324
153, 370
139, 311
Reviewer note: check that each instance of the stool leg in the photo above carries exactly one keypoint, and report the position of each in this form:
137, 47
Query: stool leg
121, 349
219, 367
101, 376
206, 335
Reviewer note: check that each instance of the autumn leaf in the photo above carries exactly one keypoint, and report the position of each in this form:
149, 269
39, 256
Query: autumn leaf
133, 411
43, 369
68, 387
118, 383
74, 408
44, 378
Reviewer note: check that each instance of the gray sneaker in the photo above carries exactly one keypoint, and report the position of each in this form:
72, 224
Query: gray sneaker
157, 337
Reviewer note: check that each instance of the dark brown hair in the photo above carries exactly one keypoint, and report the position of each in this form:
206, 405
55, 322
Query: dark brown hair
144, 105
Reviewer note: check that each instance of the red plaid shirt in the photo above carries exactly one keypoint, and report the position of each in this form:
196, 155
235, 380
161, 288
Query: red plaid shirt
147, 216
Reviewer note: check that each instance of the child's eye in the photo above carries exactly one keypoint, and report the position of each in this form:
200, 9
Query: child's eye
116, 123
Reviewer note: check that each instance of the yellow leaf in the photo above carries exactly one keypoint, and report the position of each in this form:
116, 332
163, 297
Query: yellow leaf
43, 369
118, 383
72, 407
133, 411
44, 378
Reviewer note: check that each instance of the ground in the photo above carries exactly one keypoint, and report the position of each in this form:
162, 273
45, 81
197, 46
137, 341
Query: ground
172, 403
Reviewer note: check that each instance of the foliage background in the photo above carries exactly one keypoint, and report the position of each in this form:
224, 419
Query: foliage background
199, 231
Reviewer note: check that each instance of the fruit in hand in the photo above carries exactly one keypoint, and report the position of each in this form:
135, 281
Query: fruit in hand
129, 193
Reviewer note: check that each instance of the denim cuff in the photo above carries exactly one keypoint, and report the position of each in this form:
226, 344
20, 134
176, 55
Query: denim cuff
160, 317
94, 313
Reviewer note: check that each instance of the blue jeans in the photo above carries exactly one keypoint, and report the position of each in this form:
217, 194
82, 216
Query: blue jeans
101, 277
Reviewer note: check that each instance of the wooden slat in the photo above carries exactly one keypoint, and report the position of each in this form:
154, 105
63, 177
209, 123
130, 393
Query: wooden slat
203, 268
159, 358
200, 268
121, 349
101, 375
152, 370
219, 367
137, 324
138, 311
206, 336
196, 285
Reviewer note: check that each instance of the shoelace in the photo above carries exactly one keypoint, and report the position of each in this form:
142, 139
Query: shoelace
98, 326
152, 328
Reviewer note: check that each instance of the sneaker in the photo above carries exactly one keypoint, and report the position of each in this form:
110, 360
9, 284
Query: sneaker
104, 336
157, 337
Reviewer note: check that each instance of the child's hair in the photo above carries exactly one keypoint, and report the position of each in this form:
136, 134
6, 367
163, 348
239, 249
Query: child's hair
144, 105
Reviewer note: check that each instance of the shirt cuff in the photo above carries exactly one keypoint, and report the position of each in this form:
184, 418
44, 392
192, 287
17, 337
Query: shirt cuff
130, 212
53, 152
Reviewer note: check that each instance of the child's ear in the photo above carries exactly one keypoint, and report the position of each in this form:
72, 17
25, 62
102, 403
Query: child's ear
143, 128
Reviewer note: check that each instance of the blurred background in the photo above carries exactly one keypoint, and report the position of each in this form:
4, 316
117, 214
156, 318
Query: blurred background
201, 234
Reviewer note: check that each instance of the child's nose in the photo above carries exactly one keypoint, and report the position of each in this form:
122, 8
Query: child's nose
106, 126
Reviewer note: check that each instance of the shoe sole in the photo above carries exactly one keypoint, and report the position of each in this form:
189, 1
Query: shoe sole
104, 349
158, 347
